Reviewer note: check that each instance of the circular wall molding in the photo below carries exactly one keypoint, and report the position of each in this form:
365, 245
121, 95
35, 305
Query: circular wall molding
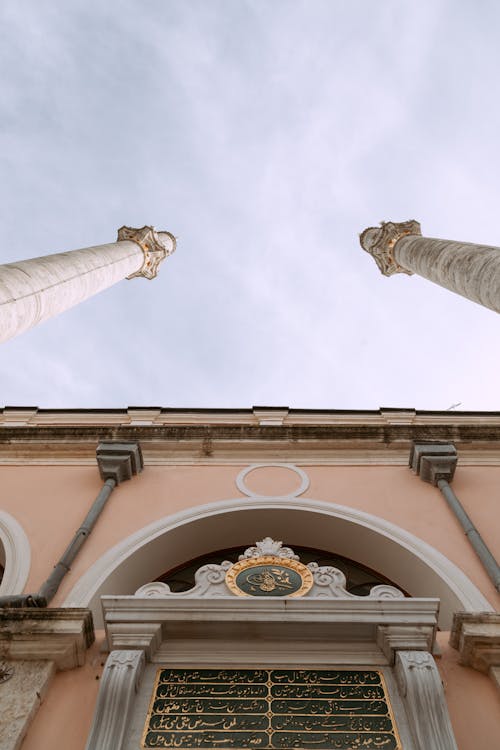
17, 554
303, 486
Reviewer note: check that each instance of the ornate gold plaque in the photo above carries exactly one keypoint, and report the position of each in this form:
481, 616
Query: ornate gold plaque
270, 709
269, 575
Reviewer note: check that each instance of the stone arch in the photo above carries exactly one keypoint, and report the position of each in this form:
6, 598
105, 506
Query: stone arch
15, 555
413, 564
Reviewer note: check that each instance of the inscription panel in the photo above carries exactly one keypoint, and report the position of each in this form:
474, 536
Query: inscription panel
270, 709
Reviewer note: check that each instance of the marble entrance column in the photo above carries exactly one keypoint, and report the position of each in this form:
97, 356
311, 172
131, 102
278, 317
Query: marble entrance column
33, 290
462, 267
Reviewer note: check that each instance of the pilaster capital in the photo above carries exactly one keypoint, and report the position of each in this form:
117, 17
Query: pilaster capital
379, 242
394, 638
142, 636
155, 245
476, 636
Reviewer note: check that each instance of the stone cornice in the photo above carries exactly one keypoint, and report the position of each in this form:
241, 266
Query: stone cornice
378, 627
60, 635
477, 443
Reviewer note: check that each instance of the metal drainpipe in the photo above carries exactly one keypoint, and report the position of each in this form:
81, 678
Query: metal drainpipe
48, 589
436, 463
117, 462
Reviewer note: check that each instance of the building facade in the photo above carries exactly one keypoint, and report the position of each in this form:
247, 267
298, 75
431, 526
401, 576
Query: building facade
238, 553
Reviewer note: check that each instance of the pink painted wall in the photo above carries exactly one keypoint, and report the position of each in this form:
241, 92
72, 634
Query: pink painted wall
50, 503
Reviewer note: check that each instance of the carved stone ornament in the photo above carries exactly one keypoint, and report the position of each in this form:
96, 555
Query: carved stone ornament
269, 546
380, 242
268, 569
119, 684
154, 249
269, 575
423, 696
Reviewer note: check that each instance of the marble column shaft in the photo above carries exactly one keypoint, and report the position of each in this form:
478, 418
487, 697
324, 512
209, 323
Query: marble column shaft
33, 290
470, 270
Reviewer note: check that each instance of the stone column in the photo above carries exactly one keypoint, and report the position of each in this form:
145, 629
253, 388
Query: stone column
33, 290
462, 267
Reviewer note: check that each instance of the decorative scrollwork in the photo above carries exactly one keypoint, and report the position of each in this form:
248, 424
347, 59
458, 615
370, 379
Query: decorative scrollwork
269, 546
268, 569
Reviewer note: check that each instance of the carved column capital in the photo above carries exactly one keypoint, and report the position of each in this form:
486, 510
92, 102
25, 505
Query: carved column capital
155, 245
379, 242
422, 693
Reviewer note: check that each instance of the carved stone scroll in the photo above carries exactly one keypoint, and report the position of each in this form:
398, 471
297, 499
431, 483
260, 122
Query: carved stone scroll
120, 681
422, 693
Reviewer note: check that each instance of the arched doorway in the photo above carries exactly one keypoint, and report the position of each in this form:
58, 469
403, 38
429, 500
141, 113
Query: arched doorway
410, 563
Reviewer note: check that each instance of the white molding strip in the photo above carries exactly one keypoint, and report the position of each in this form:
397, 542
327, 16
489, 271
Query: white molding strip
17, 552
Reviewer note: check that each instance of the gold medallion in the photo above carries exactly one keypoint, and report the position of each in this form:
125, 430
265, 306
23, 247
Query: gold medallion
269, 575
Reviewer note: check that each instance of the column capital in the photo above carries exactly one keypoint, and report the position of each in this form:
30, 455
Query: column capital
379, 243
155, 245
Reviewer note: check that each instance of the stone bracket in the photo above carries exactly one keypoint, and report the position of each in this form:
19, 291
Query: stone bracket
119, 461
423, 697
433, 461
119, 684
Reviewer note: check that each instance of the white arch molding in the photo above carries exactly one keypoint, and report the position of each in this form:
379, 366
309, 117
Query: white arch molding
404, 558
15, 555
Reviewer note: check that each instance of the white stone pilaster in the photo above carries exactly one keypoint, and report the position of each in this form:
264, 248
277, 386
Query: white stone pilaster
120, 681
422, 694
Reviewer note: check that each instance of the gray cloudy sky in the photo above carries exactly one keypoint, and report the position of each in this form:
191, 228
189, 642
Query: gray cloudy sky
265, 134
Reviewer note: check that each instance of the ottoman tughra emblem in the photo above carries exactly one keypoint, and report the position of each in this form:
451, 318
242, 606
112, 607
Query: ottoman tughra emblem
269, 569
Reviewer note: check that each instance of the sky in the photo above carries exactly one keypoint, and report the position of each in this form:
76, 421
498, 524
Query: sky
265, 135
